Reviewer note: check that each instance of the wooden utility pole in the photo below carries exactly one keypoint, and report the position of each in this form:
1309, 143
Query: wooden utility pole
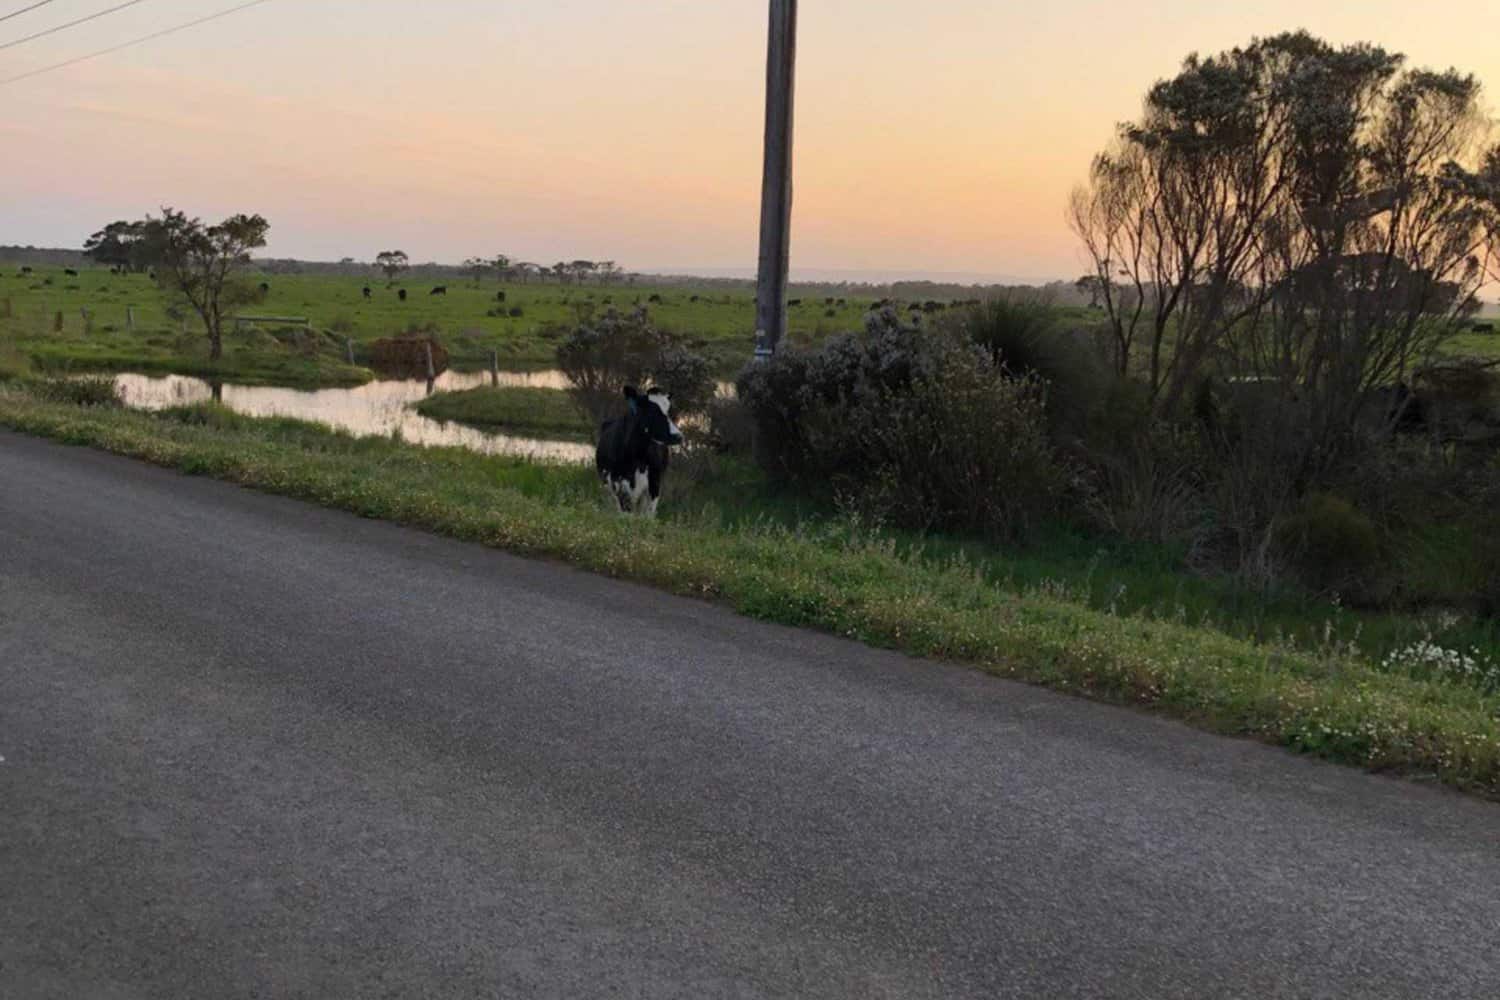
776, 182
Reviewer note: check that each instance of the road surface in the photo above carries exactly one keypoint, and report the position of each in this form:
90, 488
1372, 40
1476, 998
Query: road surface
253, 748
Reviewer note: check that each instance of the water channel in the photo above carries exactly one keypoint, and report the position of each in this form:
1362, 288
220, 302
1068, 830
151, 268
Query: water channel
381, 408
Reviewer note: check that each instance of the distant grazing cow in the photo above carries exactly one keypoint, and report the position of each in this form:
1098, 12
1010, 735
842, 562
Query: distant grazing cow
367, 291
693, 299
401, 294
70, 272
265, 289
634, 450
439, 290
500, 296
793, 303
25, 270
654, 298
1484, 328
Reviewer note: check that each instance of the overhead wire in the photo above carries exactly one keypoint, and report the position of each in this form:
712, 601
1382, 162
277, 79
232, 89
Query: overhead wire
18, 13
133, 42
70, 24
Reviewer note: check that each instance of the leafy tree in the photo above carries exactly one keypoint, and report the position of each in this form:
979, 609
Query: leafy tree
392, 262
502, 265
130, 246
1092, 286
562, 271
581, 269
204, 265
1308, 215
477, 266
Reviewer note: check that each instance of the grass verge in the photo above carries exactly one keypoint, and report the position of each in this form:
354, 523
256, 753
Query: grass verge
1333, 705
521, 409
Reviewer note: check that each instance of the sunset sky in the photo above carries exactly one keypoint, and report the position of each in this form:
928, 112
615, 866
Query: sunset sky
940, 136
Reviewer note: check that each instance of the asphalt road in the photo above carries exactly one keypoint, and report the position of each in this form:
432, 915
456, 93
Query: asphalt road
254, 748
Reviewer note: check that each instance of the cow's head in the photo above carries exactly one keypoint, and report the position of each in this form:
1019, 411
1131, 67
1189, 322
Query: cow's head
652, 410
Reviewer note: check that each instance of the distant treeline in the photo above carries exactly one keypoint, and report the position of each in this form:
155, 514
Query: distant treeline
1057, 292
42, 256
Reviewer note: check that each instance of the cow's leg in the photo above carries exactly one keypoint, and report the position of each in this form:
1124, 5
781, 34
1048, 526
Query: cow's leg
640, 488
653, 486
619, 492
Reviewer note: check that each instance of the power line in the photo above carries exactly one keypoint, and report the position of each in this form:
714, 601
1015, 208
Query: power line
134, 41
70, 24
23, 10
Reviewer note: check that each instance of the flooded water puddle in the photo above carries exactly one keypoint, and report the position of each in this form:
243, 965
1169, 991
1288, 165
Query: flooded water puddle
376, 409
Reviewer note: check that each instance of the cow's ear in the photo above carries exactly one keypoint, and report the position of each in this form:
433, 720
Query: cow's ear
630, 392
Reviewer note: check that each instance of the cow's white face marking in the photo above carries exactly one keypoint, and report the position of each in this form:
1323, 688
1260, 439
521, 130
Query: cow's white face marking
664, 403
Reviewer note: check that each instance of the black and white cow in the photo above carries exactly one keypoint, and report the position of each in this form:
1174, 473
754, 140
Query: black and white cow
634, 450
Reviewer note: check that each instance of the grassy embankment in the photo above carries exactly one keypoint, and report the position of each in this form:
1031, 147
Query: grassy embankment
546, 413
827, 574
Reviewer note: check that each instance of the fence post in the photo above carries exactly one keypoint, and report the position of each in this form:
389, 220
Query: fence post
130, 317
495, 367
349, 349
431, 368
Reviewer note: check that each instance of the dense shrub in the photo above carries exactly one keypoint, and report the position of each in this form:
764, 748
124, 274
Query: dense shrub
1023, 338
1330, 545
1487, 553
604, 354
1151, 488
730, 426
918, 427
406, 354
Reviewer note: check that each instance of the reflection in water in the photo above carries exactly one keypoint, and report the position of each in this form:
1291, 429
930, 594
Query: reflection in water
375, 409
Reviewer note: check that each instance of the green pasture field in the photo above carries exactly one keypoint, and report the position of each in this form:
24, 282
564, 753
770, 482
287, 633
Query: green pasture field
469, 320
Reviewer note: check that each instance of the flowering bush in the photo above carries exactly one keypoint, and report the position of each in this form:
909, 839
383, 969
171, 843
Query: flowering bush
1427, 659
